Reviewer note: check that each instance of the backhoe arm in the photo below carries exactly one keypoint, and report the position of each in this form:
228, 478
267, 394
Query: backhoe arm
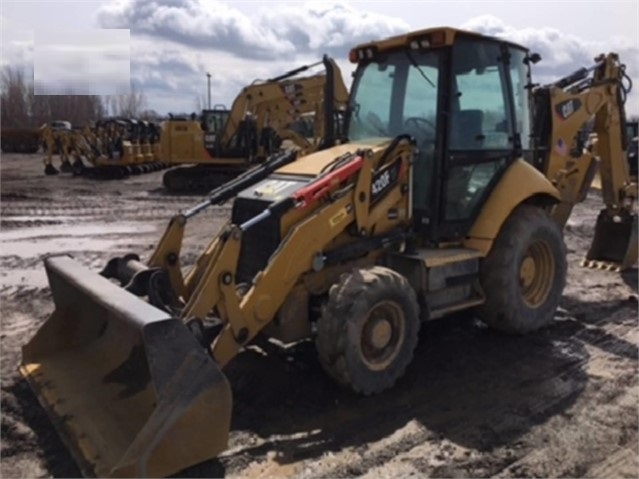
599, 93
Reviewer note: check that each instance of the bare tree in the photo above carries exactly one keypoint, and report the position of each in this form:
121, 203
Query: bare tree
22, 108
129, 105
150, 115
110, 105
15, 107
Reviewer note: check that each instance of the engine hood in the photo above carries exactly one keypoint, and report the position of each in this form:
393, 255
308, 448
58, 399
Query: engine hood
312, 165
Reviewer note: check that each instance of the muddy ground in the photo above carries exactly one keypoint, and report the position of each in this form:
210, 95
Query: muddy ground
474, 403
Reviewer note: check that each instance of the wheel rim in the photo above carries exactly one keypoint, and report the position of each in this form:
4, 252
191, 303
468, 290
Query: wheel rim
536, 274
382, 335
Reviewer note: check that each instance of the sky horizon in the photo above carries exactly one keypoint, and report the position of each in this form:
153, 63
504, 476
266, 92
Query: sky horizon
174, 43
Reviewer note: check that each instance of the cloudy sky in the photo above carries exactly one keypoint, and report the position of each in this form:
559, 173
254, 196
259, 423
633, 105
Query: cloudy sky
82, 62
173, 43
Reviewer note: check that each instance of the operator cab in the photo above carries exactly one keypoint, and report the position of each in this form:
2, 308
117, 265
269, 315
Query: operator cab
243, 144
464, 100
212, 124
213, 121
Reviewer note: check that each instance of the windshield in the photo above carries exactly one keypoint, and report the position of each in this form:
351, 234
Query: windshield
395, 95
215, 120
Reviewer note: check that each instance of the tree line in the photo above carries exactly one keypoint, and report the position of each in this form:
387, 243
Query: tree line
20, 107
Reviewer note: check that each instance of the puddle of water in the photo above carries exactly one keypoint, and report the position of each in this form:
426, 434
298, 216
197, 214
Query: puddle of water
36, 278
30, 242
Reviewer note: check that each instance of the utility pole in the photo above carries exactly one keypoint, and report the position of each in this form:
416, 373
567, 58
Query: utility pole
208, 76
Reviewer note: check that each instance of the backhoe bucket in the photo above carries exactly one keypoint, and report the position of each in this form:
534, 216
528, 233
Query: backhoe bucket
129, 389
615, 243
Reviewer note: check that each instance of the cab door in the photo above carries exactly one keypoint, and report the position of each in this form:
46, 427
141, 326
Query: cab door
480, 134
213, 124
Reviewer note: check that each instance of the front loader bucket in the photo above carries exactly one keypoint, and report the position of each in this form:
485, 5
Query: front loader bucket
129, 389
615, 243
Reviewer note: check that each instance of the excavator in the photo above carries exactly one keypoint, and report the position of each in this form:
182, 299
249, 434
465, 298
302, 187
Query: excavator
450, 195
224, 143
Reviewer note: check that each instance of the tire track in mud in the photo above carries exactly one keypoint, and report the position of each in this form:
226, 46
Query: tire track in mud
29, 216
623, 463
428, 449
560, 381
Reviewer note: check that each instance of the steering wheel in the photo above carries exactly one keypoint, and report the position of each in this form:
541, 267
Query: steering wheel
376, 122
416, 125
417, 121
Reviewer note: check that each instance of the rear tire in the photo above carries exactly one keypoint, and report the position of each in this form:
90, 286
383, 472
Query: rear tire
368, 330
524, 274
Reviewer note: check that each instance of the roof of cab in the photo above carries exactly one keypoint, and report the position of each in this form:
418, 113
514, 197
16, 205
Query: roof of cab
449, 34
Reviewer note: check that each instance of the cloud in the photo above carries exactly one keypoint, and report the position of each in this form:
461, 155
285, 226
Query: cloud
86, 62
172, 75
18, 54
271, 33
562, 53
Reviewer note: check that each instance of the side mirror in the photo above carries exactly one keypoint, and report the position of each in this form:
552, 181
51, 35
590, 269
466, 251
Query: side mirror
532, 58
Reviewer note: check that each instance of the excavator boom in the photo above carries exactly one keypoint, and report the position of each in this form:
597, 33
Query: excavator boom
263, 116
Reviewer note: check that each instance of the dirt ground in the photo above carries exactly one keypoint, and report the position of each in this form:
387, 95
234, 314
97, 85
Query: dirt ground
473, 403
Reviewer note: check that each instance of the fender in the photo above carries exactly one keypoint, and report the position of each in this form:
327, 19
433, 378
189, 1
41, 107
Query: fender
520, 182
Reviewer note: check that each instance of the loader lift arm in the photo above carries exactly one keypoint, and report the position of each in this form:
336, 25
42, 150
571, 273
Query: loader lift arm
210, 285
244, 317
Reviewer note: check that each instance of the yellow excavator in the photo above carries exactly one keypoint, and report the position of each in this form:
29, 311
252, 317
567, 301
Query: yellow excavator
224, 143
451, 194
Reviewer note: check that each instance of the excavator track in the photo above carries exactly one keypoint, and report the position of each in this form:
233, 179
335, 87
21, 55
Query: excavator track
199, 178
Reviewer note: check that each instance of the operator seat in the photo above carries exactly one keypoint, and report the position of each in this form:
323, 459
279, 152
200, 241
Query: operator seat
466, 134
467, 130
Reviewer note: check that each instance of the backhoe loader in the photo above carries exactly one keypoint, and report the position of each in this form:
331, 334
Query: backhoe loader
224, 143
451, 194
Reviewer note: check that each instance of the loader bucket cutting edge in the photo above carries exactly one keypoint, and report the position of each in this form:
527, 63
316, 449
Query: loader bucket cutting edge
615, 242
128, 388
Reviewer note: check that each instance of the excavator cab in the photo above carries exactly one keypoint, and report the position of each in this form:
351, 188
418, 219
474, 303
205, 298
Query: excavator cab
213, 123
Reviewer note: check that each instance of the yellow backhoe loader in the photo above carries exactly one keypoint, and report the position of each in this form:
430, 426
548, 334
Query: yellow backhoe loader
450, 195
224, 143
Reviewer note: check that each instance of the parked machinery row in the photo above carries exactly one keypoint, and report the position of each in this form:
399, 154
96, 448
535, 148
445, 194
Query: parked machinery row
113, 148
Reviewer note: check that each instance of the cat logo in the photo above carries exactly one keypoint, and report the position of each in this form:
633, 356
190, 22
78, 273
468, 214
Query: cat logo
567, 108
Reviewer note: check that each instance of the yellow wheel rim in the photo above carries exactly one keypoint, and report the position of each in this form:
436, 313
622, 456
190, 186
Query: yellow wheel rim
536, 274
382, 335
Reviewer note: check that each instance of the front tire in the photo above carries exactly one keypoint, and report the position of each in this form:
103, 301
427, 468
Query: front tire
368, 330
524, 274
